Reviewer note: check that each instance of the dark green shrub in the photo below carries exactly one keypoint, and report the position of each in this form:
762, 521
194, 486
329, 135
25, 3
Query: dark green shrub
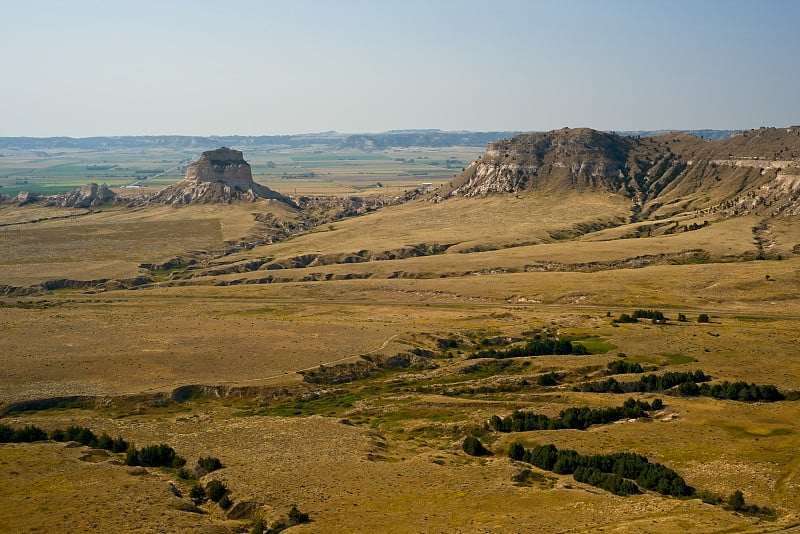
209, 463
154, 456
225, 502
548, 379
625, 318
119, 445
216, 490
297, 517
28, 434
474, 447
516, 451
703, 318
736, 501
82, 435
197, 493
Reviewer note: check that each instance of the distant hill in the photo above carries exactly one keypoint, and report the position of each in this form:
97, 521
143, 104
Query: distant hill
756, 171
330, 140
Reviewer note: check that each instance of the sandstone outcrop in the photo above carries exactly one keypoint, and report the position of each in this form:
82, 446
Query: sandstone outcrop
87, 196
220, 175
25, 197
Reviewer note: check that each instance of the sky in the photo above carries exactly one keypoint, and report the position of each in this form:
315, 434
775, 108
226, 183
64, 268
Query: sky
84, 68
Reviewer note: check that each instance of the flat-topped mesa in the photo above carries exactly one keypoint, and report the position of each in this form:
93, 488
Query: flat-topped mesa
223, 164
220, 175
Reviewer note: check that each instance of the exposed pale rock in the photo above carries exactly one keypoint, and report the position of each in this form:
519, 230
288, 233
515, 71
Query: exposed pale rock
220, 175
87, 196
25, 197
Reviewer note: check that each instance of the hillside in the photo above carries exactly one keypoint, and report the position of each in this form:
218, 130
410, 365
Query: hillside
754, 172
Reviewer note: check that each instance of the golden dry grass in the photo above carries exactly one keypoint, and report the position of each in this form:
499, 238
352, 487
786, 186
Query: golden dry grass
399, 467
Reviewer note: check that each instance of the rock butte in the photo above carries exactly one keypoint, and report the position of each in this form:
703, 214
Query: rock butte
220, 175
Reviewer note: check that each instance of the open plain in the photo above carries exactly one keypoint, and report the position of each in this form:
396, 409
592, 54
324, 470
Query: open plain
340, 368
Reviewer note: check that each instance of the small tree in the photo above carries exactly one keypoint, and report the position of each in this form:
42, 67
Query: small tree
703, 318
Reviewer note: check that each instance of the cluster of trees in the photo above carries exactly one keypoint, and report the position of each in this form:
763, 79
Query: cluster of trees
686, 384
535, 347
737, 391
654, 315
574, 418
621, 367
645, 384
154, 456
82, 435
613, 472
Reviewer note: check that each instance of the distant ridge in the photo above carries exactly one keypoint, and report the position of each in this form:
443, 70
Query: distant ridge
331, 140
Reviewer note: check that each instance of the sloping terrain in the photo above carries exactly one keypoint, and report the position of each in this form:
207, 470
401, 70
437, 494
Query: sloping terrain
336, 356
754, 172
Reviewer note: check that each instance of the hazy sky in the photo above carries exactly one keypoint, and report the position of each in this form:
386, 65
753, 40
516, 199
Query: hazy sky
195, 67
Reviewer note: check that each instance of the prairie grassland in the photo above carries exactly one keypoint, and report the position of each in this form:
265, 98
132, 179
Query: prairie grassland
81, 245
383, 453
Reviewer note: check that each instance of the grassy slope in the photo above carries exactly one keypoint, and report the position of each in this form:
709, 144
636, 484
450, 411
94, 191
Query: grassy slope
400, 467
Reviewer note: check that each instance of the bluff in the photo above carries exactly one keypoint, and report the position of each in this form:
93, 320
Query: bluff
756, 171
220, 175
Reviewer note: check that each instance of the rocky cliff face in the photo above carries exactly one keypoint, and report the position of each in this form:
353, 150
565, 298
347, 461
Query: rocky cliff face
753, 172
220, 175
563, 158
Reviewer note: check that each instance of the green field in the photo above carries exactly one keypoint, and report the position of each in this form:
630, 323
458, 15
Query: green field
287, 170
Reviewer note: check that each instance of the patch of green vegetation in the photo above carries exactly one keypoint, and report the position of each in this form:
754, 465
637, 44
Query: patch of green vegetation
755, 318
663, 359
29, 304
527, 478
594, 344
330, 403
742, 432
436, 415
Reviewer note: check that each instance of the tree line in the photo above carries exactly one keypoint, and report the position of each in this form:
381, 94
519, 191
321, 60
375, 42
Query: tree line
573, 418
645, 384
82, 435
686, 384
535, 347
620, 473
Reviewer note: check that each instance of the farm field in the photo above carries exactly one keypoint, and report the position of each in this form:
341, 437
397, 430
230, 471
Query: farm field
304, 171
